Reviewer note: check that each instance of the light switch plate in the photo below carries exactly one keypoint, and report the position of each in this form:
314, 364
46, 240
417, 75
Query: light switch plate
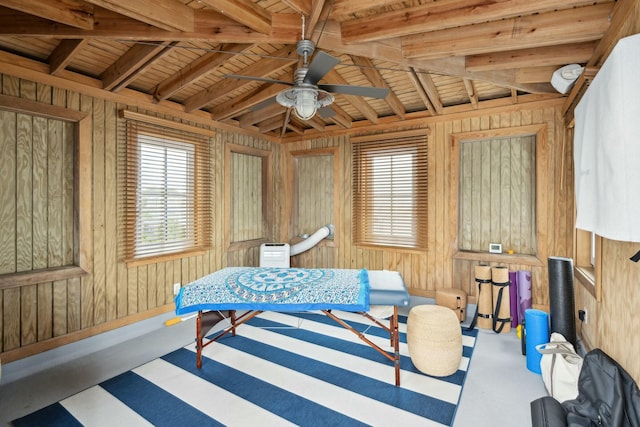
176, 288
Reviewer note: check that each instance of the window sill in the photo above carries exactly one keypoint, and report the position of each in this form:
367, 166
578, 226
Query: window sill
586, 276
531, 260
163, 258
16, 280
387, 248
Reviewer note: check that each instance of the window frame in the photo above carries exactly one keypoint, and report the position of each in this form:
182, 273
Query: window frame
200, 140
419, 140
267, 198
83, 222
588, 261
540, 131
294, 225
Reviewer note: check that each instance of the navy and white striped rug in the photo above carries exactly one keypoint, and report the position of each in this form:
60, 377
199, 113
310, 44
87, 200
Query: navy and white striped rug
280, 369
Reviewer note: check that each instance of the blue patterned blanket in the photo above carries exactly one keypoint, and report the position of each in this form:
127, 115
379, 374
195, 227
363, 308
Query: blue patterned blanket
276, 289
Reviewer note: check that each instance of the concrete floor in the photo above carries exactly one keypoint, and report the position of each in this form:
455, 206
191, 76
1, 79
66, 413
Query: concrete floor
497, 391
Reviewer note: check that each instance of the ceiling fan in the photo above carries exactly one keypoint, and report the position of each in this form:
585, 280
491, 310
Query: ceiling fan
306, 96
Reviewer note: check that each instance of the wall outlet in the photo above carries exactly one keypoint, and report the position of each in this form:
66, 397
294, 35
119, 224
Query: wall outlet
176, 288
583, 315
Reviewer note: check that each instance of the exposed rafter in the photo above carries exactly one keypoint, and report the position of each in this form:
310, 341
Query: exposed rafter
433, 57
243, 11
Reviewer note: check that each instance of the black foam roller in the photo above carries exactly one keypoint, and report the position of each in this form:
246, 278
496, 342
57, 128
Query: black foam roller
561, 298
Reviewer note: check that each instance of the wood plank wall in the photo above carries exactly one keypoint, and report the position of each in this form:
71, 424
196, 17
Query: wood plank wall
40, 316
425, 271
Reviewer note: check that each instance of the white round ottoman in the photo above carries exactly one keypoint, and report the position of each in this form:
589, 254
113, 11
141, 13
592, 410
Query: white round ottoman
434, 339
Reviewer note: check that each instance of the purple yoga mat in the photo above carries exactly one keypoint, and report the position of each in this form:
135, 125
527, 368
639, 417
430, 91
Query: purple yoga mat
524, 293
513, 296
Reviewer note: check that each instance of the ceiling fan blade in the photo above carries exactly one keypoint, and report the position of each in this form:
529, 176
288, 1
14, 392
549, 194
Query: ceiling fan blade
321, 64
258, 79
326, 112
371, 92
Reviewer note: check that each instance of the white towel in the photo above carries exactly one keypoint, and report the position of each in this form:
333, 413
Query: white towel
607, 147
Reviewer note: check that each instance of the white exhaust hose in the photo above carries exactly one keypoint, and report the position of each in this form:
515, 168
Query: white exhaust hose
312, 240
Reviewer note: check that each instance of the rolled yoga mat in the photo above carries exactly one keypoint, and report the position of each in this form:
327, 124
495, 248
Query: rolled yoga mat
536, 332
562, 305
524, 293
484, 302
501, 302
513, 297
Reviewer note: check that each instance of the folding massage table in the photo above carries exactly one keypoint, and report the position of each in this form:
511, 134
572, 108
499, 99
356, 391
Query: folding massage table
252, 290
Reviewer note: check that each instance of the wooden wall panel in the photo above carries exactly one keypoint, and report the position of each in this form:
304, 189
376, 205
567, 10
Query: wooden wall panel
43, 315
425, 271
7, 192
113, 292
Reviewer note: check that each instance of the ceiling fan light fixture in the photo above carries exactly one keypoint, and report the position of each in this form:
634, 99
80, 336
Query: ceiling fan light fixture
305, 107
304, 100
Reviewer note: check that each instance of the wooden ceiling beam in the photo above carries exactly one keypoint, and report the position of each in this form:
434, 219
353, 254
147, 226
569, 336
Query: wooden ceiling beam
535, 74
285, 122
347, 7
278, 61
260, 115
443, 14
570, 53
295, 128
75, 13
567, 26
166, 14
210, 26
236, 106
431, 90
358, 102
341, 118
199, 68
64, 53
303, 7
272, 123
417, 84
144, 67
132, 60
245, 12
368, 69
319, 8
316, 123
390, 51
471, 92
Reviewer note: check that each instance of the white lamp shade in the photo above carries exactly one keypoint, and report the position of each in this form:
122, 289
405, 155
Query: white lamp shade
305, 106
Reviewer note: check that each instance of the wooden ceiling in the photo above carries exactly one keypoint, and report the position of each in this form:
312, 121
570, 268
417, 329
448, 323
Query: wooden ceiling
435, 56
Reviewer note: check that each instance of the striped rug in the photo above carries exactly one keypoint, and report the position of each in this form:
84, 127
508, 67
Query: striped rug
280, 369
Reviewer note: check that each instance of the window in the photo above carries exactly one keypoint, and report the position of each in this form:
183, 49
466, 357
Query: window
316, 186
47, 224
497, 194
165, 195
167, 191
496, 177
390, 190
248, 196
588, 248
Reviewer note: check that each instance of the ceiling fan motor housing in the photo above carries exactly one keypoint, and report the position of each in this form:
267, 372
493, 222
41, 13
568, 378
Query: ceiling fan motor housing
305, 48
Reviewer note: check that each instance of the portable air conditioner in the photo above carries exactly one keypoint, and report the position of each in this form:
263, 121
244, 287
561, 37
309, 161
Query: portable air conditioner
275, 255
